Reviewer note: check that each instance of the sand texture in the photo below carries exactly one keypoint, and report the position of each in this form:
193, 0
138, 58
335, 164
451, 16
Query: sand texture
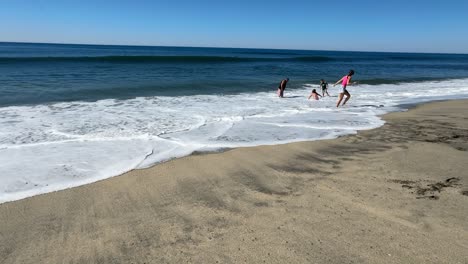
395, 194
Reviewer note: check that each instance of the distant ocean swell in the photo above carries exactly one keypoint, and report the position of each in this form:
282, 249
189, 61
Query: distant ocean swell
160, 59
220, 59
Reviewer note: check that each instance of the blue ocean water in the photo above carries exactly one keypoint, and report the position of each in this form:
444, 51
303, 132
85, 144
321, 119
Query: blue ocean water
44, 73
75, 114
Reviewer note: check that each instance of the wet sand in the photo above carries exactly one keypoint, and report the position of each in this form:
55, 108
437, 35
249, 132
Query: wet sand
395, 194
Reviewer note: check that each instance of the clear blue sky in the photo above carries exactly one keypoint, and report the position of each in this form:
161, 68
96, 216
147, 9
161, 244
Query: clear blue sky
370, 25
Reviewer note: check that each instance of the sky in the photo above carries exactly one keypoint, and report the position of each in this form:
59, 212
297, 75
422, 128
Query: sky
358, 25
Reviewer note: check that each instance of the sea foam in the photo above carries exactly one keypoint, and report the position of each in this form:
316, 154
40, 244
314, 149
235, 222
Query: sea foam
45, 148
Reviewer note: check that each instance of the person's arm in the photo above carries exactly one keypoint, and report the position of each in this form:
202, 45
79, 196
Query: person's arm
338, 81
309, 97
349, 80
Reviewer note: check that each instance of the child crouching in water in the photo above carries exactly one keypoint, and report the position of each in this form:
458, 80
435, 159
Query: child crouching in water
314, 94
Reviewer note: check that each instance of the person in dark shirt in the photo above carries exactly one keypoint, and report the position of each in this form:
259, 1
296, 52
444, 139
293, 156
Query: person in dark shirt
282, 87
324, 86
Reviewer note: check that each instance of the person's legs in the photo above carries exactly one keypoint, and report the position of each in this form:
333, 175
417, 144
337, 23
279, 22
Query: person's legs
347, 97
340, 97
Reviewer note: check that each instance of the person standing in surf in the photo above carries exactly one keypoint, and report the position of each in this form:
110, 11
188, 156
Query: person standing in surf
324, 86
282, 87
345, 81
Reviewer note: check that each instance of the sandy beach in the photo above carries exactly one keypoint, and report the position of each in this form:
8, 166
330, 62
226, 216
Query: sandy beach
395, 194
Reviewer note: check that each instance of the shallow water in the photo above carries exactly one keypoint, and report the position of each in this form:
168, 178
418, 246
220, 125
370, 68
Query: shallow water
51, 138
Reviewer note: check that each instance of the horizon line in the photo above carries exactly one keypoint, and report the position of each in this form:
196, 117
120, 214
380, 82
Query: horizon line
215, 47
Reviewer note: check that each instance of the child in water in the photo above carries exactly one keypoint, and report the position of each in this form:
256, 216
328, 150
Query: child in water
282, 87
314, 94
345, 81
324, 86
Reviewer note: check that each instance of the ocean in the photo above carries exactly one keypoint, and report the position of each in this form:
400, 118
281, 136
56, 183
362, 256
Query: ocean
75, 114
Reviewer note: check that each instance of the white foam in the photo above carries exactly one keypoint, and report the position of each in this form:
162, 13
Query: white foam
45, 148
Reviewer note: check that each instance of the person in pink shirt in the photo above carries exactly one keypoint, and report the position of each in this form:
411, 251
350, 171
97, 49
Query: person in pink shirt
345, 81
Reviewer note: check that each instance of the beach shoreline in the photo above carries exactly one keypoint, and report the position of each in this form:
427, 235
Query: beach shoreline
393, 194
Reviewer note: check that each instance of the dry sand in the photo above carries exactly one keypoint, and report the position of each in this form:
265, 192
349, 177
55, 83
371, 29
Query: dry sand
396, 194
